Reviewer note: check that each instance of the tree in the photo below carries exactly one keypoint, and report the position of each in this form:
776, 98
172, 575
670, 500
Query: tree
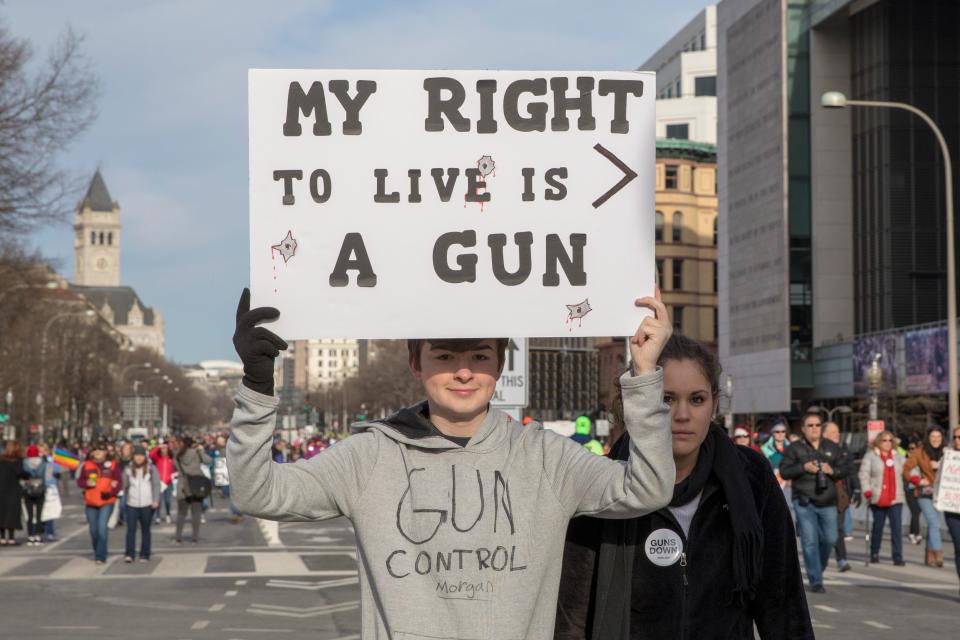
385, 384
40, 114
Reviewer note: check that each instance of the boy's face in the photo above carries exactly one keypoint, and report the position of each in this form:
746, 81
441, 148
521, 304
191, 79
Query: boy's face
458, 382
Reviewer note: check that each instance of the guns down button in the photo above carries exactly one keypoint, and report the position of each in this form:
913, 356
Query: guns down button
663, 547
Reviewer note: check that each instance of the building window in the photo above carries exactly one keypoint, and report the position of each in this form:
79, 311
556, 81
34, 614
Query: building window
678, 319
714, 265
660, 273
678, 131
678, 89
101, 237
670, 91
670, 178
677, 274
715, 233
110, 238
93, 237
658, 233
677, 227
703, 40
716, 324
705, 86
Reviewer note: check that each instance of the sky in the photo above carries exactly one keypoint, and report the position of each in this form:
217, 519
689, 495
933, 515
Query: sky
171, 135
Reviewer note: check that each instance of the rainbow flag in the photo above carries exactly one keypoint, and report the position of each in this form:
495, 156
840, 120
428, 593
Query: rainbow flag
66, 459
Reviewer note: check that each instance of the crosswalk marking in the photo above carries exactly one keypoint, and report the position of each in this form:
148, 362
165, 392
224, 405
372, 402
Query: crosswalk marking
79, 568
182, 565
279, 564
301, 612
308, 585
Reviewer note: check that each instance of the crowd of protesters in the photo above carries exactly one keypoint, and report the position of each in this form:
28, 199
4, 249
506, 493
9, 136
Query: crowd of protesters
121, 484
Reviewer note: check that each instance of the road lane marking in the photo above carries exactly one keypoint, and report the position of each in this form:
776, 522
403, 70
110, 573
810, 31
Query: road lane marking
262, 630
240, 583
876, 625
308, 585
200, 624
217, 607
824, 607
230, 594
69, 628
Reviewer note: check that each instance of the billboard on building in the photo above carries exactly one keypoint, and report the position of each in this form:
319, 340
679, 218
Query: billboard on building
864, 349
752, 160
925, 360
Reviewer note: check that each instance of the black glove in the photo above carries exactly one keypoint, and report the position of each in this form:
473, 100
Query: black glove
256, 346
857, 499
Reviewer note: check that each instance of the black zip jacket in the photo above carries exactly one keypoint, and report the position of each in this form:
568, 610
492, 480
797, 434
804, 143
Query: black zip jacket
692, 598
804, 484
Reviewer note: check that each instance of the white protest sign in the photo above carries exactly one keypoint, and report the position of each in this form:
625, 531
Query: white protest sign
399, 204
512, 387
946, 495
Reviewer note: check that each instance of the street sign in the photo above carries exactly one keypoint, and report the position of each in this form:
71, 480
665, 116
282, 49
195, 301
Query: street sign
512, 388
140, 408
874, 428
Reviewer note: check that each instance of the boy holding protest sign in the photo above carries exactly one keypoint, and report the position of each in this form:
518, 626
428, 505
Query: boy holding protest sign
460, 513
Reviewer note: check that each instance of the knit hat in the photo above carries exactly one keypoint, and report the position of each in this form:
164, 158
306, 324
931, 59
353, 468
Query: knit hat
33, 451
740, 431
139, 450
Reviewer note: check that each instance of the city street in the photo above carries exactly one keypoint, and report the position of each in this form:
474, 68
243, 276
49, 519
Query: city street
233, 584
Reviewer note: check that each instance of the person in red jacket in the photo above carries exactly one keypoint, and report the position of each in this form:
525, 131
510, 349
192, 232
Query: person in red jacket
163, 459
100, 479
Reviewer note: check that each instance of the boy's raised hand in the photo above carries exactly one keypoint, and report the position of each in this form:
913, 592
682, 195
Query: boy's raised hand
651, 336
256, 346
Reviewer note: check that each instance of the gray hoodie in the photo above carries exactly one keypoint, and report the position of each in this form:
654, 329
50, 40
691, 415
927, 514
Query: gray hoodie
456, 542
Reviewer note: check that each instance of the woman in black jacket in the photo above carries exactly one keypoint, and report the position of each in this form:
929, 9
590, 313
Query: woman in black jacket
721, 558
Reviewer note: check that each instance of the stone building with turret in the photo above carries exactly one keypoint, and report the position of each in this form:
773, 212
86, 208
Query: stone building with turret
97, 269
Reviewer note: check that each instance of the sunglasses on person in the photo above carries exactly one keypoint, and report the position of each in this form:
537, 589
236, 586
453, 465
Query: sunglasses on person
779, 431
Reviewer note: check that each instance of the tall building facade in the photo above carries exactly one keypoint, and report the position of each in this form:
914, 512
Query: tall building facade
831, 221
563, 378
686, 68
97, 269
686, 235
325, 362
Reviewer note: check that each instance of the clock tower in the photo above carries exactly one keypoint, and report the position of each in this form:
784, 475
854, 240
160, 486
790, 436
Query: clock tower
97, 238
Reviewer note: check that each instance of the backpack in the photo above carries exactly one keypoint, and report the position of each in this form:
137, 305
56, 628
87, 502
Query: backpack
35, 486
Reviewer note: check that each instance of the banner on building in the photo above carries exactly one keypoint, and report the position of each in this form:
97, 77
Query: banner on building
399, 204
925, 360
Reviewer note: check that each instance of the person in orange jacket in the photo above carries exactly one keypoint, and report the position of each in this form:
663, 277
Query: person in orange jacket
100, 479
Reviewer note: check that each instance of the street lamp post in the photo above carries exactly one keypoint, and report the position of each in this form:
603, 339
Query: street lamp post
837, 100
875, 383
841, 409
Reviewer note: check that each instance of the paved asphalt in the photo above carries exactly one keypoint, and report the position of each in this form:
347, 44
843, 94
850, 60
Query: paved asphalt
233, 584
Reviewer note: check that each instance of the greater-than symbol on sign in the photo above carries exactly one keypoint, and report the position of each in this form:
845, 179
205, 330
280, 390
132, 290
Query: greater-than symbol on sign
628, 174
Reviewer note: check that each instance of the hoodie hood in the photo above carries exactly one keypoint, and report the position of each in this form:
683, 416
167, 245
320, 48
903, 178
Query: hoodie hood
412, 426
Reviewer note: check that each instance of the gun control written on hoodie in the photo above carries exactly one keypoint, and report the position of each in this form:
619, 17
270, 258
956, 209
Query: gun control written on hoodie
456, 542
